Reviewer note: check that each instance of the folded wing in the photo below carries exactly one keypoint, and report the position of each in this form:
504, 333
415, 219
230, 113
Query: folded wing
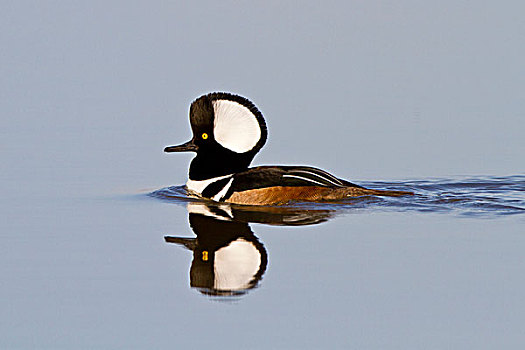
286, 176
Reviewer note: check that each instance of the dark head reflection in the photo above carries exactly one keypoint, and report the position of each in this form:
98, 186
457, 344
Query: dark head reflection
228, 259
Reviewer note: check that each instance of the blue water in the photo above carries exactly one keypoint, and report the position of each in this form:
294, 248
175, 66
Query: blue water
445, 265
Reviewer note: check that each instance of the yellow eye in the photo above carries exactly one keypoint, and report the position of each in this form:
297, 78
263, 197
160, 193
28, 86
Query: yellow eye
204, 136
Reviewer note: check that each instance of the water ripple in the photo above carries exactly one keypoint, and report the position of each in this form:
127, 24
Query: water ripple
472, 196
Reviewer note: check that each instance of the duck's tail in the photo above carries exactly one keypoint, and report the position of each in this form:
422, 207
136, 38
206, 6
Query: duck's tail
358, 192
390, 193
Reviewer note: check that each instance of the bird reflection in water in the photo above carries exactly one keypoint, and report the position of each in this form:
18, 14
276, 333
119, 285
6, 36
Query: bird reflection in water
228, 259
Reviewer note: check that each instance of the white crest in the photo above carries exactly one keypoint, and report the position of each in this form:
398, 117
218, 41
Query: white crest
235, 127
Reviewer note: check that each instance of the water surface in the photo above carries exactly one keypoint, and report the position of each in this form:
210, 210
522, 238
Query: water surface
468, 196
444, 266
229, 260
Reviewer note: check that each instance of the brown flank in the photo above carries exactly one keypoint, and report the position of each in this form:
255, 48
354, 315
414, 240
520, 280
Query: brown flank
285, 194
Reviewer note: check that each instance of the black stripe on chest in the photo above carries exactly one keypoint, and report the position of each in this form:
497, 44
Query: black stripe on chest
215, 187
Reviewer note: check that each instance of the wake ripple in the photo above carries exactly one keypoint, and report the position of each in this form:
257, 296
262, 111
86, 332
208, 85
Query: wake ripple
473, 196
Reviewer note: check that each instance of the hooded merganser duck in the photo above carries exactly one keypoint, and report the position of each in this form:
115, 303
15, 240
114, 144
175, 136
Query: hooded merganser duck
228, 131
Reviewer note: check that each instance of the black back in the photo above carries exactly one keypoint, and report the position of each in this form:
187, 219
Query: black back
293, 176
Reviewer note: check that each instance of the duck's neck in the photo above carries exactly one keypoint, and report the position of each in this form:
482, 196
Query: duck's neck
209, 166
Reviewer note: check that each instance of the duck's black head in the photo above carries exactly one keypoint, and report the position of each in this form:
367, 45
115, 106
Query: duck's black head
228, 131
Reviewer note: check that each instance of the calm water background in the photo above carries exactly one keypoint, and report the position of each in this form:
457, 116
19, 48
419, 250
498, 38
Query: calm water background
405, 94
